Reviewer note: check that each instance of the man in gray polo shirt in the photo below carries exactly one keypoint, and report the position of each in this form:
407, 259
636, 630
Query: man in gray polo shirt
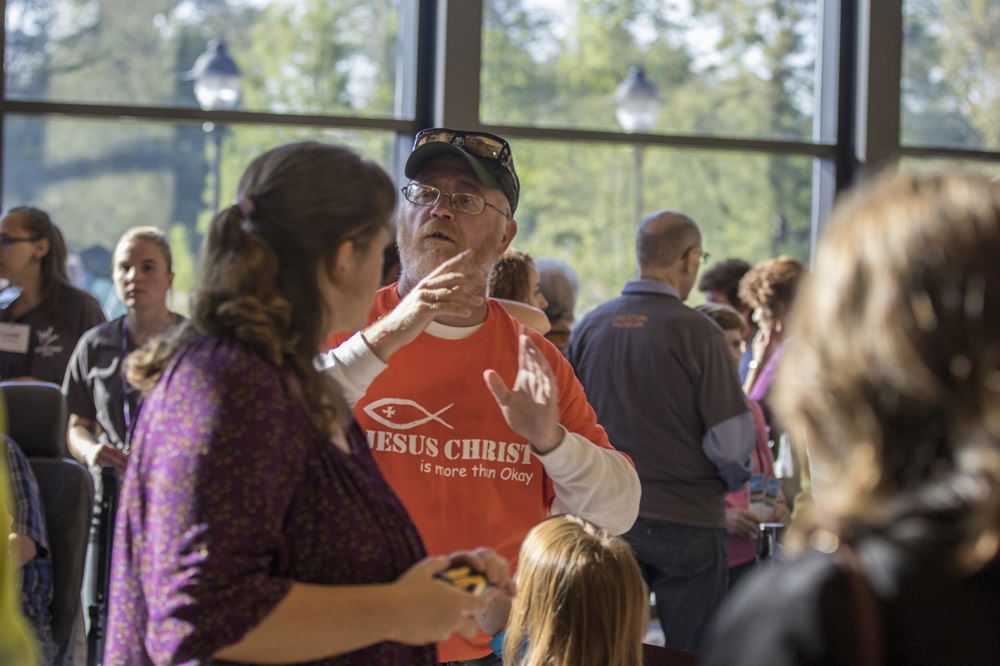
661, 380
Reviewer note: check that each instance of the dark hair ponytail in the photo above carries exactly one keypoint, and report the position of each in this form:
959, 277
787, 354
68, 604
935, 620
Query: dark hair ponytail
38, 224
297, 204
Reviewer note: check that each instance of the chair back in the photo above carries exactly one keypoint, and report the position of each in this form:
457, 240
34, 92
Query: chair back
67, 491
36, 418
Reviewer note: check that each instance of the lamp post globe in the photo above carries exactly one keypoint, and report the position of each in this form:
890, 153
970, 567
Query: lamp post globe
637, 102
216, 78
217, 88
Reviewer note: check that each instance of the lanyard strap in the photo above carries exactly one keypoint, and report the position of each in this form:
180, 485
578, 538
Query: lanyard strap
126, 408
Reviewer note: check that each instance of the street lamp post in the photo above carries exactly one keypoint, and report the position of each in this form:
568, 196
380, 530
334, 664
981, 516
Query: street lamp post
217, 88
637, 104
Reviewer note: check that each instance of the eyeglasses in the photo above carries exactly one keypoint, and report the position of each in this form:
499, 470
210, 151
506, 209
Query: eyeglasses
463, 202
6, 241
481, 144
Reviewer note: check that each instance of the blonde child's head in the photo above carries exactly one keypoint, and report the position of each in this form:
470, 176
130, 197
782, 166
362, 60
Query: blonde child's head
581, 599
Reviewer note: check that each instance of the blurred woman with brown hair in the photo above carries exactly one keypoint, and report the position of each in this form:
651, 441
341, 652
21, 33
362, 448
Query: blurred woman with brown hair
892, 382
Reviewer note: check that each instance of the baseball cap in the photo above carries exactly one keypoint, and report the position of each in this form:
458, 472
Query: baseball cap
488, 155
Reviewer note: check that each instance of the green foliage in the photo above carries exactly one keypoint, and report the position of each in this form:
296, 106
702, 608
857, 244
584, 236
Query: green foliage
580, 200
951, 73
740, 68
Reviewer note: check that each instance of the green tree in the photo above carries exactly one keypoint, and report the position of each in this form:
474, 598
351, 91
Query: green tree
951, 73
542, 69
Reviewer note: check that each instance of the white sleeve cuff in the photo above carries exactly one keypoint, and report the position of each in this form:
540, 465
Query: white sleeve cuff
593, 482
353, 365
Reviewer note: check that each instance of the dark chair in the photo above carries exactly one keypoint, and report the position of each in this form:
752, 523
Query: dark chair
656, 655
36, 417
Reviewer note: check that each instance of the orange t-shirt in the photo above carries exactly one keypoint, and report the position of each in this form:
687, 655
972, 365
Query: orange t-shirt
440, 439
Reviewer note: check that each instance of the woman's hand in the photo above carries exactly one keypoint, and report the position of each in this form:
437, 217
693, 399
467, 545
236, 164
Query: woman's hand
444, 609
105, 455
780, 514
741, 522
497, 572
434, 609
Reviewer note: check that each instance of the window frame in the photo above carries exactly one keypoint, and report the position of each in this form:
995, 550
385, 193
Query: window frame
859, 62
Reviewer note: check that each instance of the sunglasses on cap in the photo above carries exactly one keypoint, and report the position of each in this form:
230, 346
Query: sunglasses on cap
480, 144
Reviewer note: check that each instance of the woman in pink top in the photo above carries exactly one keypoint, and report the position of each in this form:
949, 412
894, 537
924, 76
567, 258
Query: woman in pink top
741, 519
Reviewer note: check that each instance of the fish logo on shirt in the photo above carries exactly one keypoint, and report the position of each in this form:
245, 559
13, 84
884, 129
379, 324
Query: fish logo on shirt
390, 411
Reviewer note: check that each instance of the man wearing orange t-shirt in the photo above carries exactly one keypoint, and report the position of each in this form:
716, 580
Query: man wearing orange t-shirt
478, 423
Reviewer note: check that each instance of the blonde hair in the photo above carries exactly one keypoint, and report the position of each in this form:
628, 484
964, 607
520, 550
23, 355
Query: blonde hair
892, 374
154, 236
581, 599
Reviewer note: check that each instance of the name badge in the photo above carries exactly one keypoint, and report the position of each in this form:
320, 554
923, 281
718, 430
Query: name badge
14, 337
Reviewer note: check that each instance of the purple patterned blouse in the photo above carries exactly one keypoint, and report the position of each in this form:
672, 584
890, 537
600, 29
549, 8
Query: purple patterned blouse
232, 494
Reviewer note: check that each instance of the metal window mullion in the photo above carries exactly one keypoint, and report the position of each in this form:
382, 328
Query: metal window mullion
877, 94
833, 119
458, 58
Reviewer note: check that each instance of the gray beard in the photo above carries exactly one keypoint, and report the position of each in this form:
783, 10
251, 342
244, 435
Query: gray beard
415, 269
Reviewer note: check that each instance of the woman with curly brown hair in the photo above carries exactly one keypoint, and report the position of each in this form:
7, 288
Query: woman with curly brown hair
892, 383
769, 290
254, 525
514, 282
514, 278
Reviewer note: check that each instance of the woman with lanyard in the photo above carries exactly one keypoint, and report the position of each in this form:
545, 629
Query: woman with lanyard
760, 499
102, 407
42, 316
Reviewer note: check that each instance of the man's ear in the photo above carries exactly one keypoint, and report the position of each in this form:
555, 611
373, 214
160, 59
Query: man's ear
510, 230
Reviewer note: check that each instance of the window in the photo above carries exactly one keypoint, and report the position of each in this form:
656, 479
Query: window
951, 74
578, 203
745, 71
101, 125
99, 177
336, 58
742, 69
